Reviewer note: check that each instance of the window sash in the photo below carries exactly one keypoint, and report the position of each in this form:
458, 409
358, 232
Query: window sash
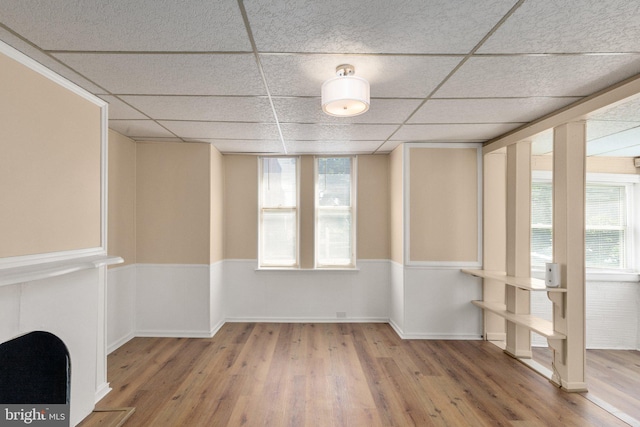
278, 234
613, 250
332, 248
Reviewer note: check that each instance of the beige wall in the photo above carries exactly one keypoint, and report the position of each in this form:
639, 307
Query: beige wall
373, 208
443, 204
173, 202
49, 165
216, 208
396, 209
122, 198
598, 164
241, 207
307, 212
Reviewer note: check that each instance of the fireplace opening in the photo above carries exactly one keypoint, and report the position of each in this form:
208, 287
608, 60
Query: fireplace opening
35, 369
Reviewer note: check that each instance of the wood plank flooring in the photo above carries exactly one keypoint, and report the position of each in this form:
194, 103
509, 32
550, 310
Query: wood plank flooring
266, 374
612, 376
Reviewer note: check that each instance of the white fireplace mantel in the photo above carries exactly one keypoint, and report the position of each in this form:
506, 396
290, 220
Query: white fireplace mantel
45, 270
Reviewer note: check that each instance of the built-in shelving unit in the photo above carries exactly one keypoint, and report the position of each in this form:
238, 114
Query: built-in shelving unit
535, 324
527, 283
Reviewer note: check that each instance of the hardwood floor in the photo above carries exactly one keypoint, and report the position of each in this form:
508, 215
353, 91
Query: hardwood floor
267, 374
612, 376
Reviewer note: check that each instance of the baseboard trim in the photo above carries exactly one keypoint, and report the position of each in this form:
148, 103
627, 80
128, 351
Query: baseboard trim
306, 320
173, 334
496, 336
461, 337
396, 328
102, 391
120, 342
217, 328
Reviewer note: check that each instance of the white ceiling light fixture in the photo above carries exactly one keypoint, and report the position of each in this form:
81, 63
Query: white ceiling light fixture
345, 95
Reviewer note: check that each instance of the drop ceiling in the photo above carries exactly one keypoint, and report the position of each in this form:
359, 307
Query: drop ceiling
245, 75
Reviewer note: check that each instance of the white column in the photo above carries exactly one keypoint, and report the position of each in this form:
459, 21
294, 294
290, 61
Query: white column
518, 262
569, 149
494, 241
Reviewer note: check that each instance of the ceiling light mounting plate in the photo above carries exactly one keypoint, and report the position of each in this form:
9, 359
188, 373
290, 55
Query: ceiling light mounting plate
345, 70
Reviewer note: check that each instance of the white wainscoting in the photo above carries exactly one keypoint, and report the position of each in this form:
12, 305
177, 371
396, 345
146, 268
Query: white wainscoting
306, 295
172, 300
121, 306
217, 313
437, 304
396, 298
612, 315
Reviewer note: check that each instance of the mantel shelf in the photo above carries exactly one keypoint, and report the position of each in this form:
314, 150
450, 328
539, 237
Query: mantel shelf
28, 273
528, 283
536, 324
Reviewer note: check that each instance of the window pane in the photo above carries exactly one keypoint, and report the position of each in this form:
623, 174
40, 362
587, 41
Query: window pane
278, 182
334, 181
605, 248
541, 223
605, 220
279, 238
541, 246
605, 206
541, 204
334, 238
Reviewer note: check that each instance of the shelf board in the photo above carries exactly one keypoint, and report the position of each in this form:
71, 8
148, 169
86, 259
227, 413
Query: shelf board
528, 283
12, 275
536, 324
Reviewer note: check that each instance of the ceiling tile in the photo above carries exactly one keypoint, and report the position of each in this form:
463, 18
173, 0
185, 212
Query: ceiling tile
389, 76
208, 108
309, 110
542, 143
388, 146
541, 26
332, 147
120, 110
243, 146
625, 112
335, 132
599, 129
487, 110
120, 25
414, 26
170, 74
630, 151
49, 62
539, 75
617, 141
155, 139
222, 130
139, 128
453, 132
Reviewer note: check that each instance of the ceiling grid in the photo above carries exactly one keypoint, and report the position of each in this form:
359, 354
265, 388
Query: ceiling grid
245, 75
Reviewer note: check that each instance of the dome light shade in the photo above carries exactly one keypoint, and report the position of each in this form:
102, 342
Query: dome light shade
345, 95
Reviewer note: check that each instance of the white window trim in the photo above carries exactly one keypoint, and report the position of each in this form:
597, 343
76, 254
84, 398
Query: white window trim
261, 265
353, 209
632, 182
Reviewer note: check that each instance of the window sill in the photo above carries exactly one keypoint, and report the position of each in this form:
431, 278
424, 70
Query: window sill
305, 270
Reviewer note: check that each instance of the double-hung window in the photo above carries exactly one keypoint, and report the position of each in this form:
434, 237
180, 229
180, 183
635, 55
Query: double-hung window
335, 212
608, 236
278, 212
